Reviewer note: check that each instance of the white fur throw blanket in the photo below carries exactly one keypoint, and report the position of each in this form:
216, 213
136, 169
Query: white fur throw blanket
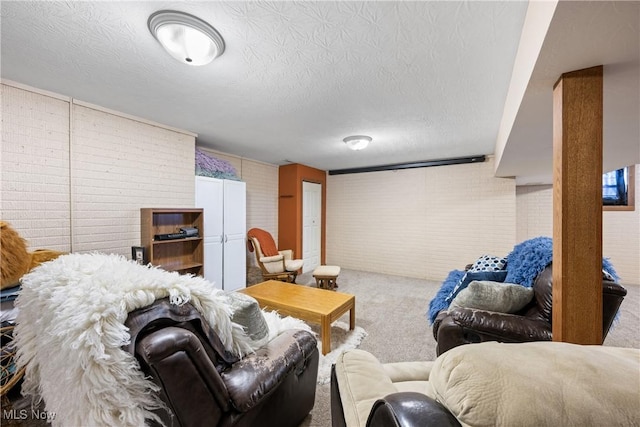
70, 330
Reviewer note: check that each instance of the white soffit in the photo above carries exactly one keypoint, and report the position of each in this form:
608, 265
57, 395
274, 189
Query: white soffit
580, 35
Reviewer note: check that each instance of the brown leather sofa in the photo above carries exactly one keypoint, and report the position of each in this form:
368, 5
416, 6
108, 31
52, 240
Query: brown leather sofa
460, 326
201, 384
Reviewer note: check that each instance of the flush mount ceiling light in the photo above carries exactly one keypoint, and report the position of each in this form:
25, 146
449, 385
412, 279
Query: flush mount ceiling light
357, 142
187, 38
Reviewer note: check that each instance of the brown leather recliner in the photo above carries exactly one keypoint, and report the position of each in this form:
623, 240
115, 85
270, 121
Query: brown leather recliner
533, 323
202, 384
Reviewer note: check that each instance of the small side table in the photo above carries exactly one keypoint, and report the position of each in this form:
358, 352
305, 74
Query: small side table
326, 276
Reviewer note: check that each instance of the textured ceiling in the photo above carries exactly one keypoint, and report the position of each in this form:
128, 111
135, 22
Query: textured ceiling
426, 79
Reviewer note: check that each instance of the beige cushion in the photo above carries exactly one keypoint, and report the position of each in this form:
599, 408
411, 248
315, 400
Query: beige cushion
493, 296
362, 380
408, 371
293, 264
274, 258
327, 271
539, 384
423, 387
287, 254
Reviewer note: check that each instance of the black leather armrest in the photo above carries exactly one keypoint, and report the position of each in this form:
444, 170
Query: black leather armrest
337, 411
436, 323
466, 325
257, 375
509, 326
409, 409
613, 288
612, 296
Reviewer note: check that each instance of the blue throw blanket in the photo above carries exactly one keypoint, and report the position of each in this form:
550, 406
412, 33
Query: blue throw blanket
439, 302
530, 257
524, 263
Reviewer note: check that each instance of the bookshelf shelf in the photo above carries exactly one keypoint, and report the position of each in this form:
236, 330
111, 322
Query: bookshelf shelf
181, 255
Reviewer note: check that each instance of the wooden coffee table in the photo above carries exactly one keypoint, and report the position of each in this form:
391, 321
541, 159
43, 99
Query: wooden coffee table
314, 305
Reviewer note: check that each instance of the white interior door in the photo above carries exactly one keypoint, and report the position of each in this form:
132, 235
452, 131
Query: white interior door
311, 225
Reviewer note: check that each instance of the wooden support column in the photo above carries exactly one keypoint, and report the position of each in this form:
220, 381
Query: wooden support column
577, 207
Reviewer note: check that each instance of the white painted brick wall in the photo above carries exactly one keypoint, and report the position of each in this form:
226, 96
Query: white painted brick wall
35, 168
534, 211
262, 198
120, 165
262, 195
81, 189
620, 229
419, 222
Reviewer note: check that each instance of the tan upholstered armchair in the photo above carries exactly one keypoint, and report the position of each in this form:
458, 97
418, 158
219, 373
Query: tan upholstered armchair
275, 264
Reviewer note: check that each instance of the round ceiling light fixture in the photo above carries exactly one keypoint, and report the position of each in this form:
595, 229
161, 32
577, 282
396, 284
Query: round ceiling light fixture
187, 38
357, 142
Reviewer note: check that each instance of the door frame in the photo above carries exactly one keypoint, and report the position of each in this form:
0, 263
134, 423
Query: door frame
290, 179
319, 187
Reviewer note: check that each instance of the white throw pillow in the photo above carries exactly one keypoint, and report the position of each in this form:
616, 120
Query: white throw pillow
493, 296
246, 312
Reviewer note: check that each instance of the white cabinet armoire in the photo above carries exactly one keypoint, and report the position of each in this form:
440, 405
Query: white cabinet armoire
225, 230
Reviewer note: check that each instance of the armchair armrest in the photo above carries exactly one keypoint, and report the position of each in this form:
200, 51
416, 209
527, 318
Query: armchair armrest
273, 258
467, 325
255, 376
436, 323
187, 378
488, 322
409, 409
287, 254
613, 288
519, 328
612, 296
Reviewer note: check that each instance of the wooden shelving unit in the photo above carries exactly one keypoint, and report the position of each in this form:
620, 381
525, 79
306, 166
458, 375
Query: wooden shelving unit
181, 255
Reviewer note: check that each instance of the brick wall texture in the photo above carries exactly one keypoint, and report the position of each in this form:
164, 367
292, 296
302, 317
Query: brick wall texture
419, 222
620, 229
74, 179
35, 195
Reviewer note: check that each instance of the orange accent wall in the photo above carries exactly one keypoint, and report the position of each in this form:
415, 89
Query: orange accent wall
290, 179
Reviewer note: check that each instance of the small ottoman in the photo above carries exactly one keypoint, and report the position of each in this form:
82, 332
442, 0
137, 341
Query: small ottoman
326, 276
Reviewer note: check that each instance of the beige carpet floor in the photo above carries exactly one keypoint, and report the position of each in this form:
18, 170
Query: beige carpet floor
392, 310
